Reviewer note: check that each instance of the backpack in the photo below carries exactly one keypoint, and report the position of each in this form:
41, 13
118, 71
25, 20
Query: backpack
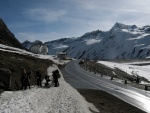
58, 75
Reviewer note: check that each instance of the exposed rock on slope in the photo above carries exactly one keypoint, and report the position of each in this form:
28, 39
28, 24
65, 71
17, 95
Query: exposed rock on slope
27, 44
8, 38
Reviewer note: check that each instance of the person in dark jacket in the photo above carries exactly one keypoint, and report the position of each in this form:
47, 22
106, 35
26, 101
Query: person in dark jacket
28, 79
39, 78
56, 75
23, 79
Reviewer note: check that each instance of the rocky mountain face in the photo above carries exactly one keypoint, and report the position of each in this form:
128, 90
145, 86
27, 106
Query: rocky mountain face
8, 38
27, 44
120, 42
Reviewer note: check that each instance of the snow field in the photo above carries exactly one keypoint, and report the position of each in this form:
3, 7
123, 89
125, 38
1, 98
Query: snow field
142, 71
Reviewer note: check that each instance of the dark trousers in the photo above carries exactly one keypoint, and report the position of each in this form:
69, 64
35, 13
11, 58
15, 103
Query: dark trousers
24, 83
28, 83
39, 82
56, 83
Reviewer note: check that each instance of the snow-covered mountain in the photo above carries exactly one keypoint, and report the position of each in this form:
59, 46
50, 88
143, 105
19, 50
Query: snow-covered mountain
120, 42
27, 44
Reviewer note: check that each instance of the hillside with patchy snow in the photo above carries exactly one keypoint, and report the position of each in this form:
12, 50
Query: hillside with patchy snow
120, 42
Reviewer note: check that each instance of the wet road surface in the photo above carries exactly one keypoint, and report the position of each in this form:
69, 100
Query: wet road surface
80, 78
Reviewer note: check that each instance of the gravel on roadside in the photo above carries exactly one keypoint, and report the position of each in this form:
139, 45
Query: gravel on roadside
107, 103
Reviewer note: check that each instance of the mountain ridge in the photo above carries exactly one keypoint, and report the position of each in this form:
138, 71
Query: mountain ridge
120, 42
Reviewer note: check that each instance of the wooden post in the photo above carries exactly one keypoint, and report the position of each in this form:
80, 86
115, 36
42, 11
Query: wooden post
146, 87
111, 78
125, 82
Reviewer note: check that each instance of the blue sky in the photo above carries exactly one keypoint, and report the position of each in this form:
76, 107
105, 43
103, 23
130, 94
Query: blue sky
48, 20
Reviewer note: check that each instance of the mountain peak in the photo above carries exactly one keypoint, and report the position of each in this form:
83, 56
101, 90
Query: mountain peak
27, 41
123, 26
2, 24
7, 37
1, 21
37, 42
91, 33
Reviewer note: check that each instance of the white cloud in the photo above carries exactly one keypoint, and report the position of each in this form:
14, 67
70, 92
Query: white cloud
44, 37
76, 17
135, 5
22, 25
44, 15
103, 14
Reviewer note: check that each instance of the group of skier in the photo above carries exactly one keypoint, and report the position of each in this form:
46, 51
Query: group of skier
26, 77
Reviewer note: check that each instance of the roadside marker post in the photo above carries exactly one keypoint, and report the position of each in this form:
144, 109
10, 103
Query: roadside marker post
125, 82
111, 78
146, 87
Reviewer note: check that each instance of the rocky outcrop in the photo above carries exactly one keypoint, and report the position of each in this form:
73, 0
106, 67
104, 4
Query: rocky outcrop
5, 79
7, 37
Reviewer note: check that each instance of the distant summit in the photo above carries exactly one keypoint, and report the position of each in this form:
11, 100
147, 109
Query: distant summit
8, 38
122, 26
27, 44
2, 24
37, 42
120, 42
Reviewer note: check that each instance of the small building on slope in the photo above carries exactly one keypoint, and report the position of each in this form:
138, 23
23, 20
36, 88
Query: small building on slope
61, 55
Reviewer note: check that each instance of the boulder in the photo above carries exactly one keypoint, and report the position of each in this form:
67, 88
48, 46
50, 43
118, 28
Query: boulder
5, 76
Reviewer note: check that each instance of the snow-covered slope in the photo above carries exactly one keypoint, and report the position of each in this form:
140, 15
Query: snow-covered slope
58, 45
131, 68
62, 99
24, 52
120, 42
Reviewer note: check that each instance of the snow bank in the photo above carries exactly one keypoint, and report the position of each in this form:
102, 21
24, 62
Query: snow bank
62, 99
24, 52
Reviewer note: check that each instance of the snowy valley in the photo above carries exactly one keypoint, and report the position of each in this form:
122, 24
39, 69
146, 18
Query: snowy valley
122, 41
